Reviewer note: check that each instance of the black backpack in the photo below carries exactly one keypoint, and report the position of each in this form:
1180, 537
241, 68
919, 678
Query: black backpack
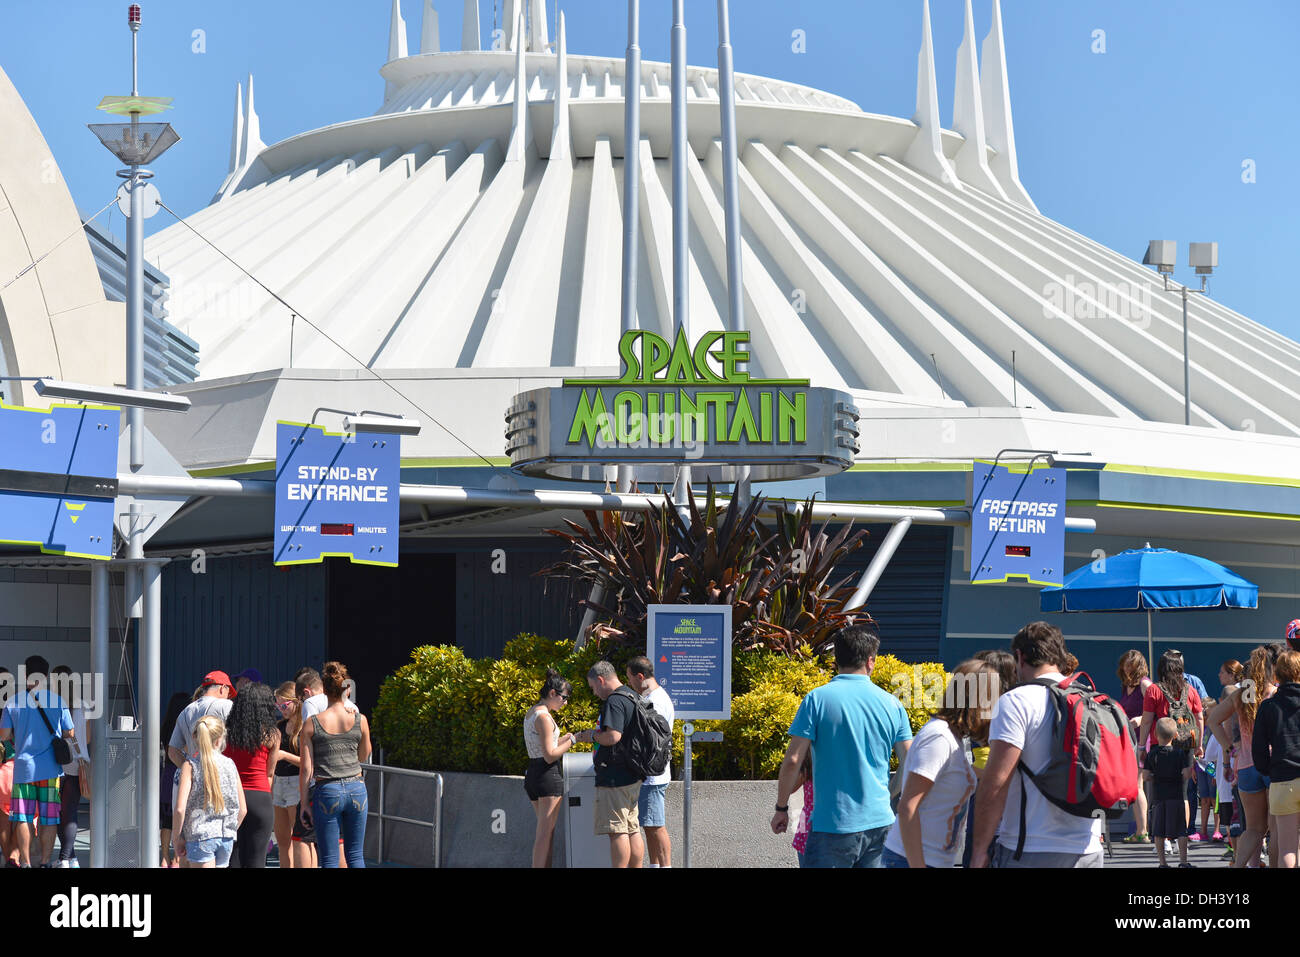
647, 742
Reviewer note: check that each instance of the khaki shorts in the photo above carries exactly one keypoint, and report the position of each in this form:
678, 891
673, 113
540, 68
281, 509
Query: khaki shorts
1284, 797
616, 810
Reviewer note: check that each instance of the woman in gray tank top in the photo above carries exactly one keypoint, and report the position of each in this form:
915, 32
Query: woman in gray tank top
334, 744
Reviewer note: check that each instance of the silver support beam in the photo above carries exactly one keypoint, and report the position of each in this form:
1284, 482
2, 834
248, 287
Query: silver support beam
98, 727
631, 165
135, 310
878, 563
150, 659
730, 174
681, 214
550, 499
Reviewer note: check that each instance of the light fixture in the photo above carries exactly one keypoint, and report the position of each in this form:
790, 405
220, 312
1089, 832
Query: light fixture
1074, 460
1163, 254
131, 398
381, 423
1203, 257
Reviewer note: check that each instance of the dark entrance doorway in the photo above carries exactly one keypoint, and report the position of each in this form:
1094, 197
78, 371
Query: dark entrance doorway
377, 615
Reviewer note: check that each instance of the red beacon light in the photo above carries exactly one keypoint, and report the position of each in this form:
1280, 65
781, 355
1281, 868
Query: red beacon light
133, 15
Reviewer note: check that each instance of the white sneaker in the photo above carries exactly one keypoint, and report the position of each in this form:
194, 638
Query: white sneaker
64, 864
1170, 847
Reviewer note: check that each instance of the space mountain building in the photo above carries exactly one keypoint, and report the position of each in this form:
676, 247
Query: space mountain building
464, 243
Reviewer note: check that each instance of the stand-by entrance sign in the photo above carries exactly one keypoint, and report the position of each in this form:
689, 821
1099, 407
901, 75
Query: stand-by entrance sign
1017, 525
336, 495
58, 478
690, 646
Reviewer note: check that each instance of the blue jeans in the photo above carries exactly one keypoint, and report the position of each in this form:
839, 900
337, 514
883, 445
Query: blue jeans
891, 859
340, 806
860, 849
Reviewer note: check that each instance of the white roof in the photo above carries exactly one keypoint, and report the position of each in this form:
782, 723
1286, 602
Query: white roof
474, 223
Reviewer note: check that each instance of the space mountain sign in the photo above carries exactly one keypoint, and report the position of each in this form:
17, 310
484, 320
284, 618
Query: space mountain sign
675, 404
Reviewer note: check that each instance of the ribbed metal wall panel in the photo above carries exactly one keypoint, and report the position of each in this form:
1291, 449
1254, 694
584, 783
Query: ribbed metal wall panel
492, 608
241, 612
908, 601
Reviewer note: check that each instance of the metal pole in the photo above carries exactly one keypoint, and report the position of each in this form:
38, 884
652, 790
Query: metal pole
878, 563
730, 174
681, 215
686, 798
1151, 652
631, 164
150, 712
382, 775
99, 609
135, 311
1187, 374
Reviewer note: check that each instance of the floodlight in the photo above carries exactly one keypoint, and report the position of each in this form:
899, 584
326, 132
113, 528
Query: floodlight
132, 398
381, 424
1163, 254
1074, 460
1203, 256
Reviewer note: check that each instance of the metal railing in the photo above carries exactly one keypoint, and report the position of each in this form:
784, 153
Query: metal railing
382, 816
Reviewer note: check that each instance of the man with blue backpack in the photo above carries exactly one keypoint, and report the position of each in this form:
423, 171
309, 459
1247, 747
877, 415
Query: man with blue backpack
1060, 761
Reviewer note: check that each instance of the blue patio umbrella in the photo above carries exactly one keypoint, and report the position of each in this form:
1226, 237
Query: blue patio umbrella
1149, 579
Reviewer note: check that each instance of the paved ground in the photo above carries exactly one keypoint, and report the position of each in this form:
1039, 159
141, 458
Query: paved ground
1200, 855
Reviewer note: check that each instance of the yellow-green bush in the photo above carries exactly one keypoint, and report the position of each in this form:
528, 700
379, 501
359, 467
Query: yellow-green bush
446, 712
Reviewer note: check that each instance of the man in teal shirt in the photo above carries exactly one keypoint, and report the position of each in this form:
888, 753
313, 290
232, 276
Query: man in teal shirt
852, 727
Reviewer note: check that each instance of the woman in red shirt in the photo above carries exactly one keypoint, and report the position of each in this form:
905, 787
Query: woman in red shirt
253, 743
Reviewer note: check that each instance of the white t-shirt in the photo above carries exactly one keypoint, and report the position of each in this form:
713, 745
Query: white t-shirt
1021, 719
936, 756
318, 703
664, 706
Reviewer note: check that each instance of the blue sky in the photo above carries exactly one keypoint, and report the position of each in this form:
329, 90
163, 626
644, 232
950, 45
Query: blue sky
1146, 140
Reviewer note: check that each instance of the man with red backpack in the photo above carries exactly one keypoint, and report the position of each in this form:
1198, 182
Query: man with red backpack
1060, 758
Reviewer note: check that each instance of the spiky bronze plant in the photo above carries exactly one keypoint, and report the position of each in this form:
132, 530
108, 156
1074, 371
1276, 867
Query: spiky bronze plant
776, 580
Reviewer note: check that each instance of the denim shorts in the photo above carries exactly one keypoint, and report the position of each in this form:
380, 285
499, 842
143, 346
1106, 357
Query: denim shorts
214, 849
1205, 785
650, 805
1250, 781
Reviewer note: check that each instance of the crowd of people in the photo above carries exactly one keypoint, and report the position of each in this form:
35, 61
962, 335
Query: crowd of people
974, 785
242, 762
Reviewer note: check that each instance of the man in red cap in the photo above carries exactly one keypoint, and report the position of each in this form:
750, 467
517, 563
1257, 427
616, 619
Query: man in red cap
216, 699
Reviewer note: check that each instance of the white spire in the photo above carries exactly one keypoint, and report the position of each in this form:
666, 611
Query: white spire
539, 36
996, 96
512, 23
519, 125
429, 29
971, 161
237, 133
470, 32
397, 34
561, 145
925, 155
252, 144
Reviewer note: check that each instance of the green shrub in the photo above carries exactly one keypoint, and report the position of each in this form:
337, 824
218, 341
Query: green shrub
446, 712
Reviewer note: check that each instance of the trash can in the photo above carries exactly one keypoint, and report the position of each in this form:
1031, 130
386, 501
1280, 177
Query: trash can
582, 847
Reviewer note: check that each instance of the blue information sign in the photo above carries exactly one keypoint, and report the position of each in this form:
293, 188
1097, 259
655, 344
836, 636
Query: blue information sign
1017, 525
58, 478
690, 646
336, 495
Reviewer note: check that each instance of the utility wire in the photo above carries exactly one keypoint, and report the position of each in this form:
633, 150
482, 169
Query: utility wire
36, 262
298, 312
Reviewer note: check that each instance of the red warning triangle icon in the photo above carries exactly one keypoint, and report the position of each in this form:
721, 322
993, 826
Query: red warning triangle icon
663, 657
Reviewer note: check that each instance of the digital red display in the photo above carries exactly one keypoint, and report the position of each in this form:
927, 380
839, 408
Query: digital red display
1018, 551
335, 529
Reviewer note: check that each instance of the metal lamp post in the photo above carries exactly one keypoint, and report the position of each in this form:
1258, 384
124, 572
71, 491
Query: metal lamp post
1203, 257
135, 144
